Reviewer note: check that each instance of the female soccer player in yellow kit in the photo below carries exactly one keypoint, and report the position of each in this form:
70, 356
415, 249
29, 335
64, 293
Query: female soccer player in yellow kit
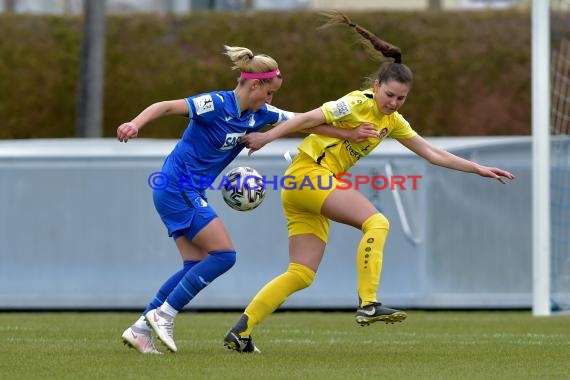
308, 210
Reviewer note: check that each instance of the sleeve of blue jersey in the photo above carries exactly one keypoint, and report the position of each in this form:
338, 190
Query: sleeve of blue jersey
277, 115
190, 110
204, 107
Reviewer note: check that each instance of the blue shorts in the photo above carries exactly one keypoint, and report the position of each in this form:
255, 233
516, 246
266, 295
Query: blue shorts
183, 212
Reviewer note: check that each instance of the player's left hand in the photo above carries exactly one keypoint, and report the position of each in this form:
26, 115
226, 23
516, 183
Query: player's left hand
496, 173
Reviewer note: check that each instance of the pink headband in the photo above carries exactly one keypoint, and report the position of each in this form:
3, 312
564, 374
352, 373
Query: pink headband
270, 74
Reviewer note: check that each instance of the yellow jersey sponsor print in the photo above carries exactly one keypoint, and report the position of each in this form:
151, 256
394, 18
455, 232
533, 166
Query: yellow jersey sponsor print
349, 112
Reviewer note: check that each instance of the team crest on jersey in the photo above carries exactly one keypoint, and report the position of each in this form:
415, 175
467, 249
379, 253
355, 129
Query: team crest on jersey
203, 104
383, 133
199, 202
231, 140
340, 108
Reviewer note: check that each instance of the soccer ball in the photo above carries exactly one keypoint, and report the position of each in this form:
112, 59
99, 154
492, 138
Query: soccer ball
243, 188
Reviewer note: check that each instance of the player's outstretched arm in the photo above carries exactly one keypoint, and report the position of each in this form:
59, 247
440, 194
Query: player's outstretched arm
359, 134
131, 129
256, 140
440, 157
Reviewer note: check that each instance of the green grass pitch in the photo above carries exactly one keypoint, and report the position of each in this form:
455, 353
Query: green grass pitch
294, 345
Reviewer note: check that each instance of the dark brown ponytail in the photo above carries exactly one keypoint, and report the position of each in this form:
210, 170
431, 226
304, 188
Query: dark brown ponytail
388, 70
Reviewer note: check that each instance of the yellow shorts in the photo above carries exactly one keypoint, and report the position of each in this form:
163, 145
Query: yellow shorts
306, 187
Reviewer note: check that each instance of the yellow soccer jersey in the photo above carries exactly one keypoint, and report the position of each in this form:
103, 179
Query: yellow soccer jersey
349, 112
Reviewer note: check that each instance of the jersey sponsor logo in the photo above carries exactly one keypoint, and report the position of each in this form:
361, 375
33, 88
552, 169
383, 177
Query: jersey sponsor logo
340, 108
203, 104
351, 151
231, 140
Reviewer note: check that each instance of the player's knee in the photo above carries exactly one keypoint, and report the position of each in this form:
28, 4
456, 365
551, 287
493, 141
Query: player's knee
224, 259
376, 221
304, 275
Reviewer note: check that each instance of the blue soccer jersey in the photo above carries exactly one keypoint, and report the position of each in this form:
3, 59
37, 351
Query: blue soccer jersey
208, 145
211, 140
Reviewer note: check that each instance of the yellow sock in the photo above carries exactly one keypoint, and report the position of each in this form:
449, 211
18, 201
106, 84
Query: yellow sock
274, 293
369, 257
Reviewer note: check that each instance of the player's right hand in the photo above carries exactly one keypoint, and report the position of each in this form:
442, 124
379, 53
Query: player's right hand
127, 131
496, 173
253, 141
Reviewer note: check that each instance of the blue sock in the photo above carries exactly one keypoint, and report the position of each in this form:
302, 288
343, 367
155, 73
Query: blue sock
200, 276
169, 285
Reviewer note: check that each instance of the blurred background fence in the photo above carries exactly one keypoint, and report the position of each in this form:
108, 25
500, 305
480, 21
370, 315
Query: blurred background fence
78, 229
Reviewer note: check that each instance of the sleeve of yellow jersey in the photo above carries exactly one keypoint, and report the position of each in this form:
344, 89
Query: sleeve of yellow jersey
342, 108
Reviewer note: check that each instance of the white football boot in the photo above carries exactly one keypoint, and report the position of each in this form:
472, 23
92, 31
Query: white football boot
163, 326
140, 339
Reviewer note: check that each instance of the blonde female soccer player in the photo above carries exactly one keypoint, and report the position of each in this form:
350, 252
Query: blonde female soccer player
308, 210
208, 145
